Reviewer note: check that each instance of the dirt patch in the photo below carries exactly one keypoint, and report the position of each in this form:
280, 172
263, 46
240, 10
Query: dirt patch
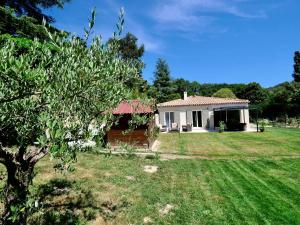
150, 169
166, 210
99, 221
130, 178
165, 157
147, 220
108, 174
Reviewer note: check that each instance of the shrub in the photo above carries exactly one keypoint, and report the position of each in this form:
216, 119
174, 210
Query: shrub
222, 126
263, 123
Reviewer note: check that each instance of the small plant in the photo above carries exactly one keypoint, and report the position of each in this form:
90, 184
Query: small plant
157, 156
263, 123
156, 131
128, 149
222, 126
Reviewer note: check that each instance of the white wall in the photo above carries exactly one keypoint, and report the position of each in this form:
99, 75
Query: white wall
207, 114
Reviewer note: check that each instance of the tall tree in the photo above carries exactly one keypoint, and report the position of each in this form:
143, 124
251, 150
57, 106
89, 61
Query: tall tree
162, 82
296, 73
181, 86
22, 26
194, 88
48, 97
33, 8
224, 93
132, 52
254, 93
129, 48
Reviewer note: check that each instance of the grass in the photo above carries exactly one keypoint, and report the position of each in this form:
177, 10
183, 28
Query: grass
260, 190
274, 142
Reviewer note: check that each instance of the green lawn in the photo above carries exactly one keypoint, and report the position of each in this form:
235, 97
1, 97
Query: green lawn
257, 190
273, 142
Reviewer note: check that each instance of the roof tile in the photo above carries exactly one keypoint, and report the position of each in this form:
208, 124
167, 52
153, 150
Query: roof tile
201, 100
132, 106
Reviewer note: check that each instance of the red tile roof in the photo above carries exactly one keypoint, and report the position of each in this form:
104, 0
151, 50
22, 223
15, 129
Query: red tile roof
132, 106
201, 100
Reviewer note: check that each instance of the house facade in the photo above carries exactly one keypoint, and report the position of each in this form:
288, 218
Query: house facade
203, 113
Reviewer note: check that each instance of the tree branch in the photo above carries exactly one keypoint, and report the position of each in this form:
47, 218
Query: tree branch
20, 96
35, 155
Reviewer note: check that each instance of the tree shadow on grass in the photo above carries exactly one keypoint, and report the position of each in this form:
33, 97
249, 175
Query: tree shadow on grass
61, 201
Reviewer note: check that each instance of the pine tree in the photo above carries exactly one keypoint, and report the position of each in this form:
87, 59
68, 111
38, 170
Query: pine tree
132, 52
33, 8
162, 82
22, 26
296, 73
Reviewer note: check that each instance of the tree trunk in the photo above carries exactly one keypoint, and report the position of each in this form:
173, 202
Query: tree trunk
19, 177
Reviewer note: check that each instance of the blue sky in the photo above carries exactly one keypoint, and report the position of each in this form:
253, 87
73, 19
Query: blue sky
209, 41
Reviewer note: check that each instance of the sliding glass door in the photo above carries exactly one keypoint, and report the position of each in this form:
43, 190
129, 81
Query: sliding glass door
169, 117
197, 118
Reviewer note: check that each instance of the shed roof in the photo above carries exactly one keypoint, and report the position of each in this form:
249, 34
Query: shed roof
202, 100
131, 107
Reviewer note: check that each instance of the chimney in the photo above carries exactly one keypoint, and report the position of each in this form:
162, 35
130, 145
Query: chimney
185, 95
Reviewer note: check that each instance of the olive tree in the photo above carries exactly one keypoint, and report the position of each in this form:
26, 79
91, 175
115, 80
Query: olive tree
48, 97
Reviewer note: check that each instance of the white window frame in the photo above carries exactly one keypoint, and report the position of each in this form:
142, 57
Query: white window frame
197, 117
165, 117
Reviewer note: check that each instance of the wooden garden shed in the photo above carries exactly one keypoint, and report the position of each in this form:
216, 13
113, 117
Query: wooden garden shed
141, 135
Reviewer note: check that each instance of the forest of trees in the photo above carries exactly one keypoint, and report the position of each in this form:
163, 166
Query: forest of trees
282, 100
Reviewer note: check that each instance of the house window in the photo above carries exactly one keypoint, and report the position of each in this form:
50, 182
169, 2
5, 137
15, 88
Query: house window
169, 118
197, 118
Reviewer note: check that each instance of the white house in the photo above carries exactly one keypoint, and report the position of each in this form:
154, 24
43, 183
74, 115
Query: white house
199, 113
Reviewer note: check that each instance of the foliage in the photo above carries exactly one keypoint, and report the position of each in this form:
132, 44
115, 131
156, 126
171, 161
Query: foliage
128, 47
296, 74
254, 93
130, 51
181, 86
224, 93
129, 149
33, 8
262, 124
22, 26
156, 132
284, 99
195, 88
222, 126
286, 122
162, 84
48, 98
152, 132
136, 121
210, 89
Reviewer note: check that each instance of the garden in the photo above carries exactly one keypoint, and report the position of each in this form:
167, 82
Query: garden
244, 177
